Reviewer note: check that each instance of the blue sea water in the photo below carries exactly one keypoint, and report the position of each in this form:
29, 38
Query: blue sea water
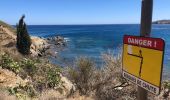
92, 40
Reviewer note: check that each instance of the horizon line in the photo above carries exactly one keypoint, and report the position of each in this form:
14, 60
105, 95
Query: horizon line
85, 24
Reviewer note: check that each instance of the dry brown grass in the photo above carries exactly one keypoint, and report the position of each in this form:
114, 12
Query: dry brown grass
51, 95
106, 83
111, 84
83, 75
55, 95
4, 95
13, 52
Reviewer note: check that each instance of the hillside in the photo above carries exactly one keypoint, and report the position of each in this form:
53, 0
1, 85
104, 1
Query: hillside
162, 22
8, 26
7, 38
8, 41
20, 75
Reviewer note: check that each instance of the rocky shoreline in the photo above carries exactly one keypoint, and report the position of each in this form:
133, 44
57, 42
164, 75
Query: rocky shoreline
42, 46
56, 40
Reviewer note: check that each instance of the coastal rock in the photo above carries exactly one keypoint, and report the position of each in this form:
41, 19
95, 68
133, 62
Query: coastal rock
57, 40
9, 79
162, 22
67, 86
38, 42
39, 46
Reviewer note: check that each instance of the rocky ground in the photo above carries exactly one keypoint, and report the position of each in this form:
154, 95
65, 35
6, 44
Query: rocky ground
7, 39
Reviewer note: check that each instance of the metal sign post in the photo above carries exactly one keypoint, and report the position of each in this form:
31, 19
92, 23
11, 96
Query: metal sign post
146, 23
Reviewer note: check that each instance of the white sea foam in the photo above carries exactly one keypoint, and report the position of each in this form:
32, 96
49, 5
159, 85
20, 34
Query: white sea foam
67, 39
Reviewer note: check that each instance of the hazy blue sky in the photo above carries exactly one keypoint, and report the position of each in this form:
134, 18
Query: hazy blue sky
79, 11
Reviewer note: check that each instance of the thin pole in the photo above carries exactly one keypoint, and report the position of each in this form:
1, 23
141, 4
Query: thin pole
145, 30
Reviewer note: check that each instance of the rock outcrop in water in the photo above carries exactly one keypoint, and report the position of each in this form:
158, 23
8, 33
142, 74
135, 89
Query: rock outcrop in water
57, 40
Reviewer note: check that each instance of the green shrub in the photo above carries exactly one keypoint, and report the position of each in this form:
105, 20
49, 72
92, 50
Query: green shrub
8, 63
107, 88
43, 75
166, 85
23, 90
40, 79
29, 66
15, 66
102, 82
5, 61
53, 77
82, 74
46, 76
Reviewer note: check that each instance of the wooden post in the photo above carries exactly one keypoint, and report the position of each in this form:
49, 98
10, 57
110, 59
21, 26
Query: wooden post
146, 17
145, 30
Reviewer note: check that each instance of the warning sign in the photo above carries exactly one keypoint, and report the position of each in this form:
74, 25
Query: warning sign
143, 61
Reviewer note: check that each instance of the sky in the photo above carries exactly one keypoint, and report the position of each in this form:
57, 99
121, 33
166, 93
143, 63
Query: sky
62, 12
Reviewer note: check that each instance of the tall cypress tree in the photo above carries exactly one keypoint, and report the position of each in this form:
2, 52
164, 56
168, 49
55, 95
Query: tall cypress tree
23, 38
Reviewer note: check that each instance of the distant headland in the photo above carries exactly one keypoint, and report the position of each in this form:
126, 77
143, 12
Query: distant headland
161, 22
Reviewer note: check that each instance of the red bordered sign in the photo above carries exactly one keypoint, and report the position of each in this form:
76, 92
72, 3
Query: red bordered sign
143, 61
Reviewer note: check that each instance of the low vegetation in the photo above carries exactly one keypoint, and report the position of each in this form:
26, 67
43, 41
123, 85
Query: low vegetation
9, 63
100, 83
42, 75
105, 83
83, 75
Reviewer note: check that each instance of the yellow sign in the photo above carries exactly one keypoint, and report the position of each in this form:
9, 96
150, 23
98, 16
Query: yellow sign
143, 61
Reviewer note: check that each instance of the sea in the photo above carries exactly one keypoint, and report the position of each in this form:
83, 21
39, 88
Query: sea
92, 41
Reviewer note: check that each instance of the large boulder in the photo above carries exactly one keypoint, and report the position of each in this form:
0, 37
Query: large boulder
10, 79
66, 87
38, 46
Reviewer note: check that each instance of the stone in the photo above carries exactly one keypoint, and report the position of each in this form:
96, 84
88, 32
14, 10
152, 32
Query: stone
68, 86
